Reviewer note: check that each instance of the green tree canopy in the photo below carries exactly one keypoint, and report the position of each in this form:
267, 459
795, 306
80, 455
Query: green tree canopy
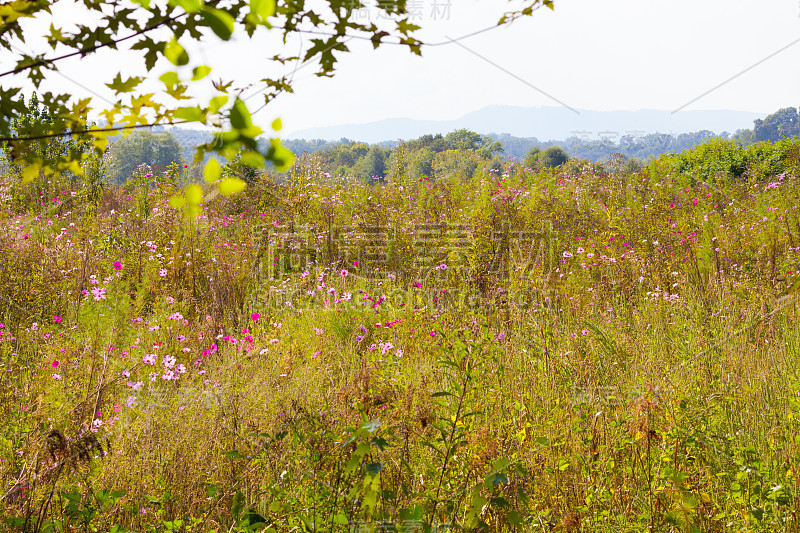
554, 156
142, 146
464, 139
782, 124
372, 167
532, 157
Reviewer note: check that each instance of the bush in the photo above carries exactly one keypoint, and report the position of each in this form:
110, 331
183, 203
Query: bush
554, 156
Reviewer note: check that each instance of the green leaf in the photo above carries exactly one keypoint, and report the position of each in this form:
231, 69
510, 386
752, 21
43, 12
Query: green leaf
220, 22
233, 454
175, 53
262, 8
498, 479
252, 159
194, 194
216, 103
30, 172
126, 86
372, 426
374, 468
190, 6
231, 186
193, 211
240, 116
280, 156
212, 490
177, 201
211, 171
277, 125
190, 114
170, 79
198, 73
405, 27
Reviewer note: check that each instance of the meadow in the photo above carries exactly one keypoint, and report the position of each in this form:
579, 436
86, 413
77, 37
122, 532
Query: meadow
570, 349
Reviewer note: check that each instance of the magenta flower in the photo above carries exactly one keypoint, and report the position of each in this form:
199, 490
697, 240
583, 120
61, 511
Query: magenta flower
695, 201
58, 319
255, 317
55, 364
117, 265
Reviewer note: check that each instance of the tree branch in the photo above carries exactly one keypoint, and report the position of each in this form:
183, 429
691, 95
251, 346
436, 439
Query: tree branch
91, 49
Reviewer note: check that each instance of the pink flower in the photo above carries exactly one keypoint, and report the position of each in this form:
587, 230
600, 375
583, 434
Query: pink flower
58, 319
117, 265
99, 293
695, 201
254, 317
57, 377
55, 364
162, 272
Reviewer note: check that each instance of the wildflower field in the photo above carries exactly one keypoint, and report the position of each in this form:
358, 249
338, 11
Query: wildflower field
582, 349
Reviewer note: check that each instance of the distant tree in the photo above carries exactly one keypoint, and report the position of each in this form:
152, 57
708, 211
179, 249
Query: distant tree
372, 167
143, 147
743, 137
419, 164
633, 165
343, 155
456, 163
554, 156
465, 139
532, 158
436, 143
782, 124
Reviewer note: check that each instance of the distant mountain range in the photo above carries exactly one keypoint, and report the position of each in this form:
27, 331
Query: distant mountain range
543, 123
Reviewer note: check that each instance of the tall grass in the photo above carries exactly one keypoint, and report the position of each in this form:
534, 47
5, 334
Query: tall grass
586, 351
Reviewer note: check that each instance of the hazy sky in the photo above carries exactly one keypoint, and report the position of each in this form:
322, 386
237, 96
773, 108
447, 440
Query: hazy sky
589, 54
